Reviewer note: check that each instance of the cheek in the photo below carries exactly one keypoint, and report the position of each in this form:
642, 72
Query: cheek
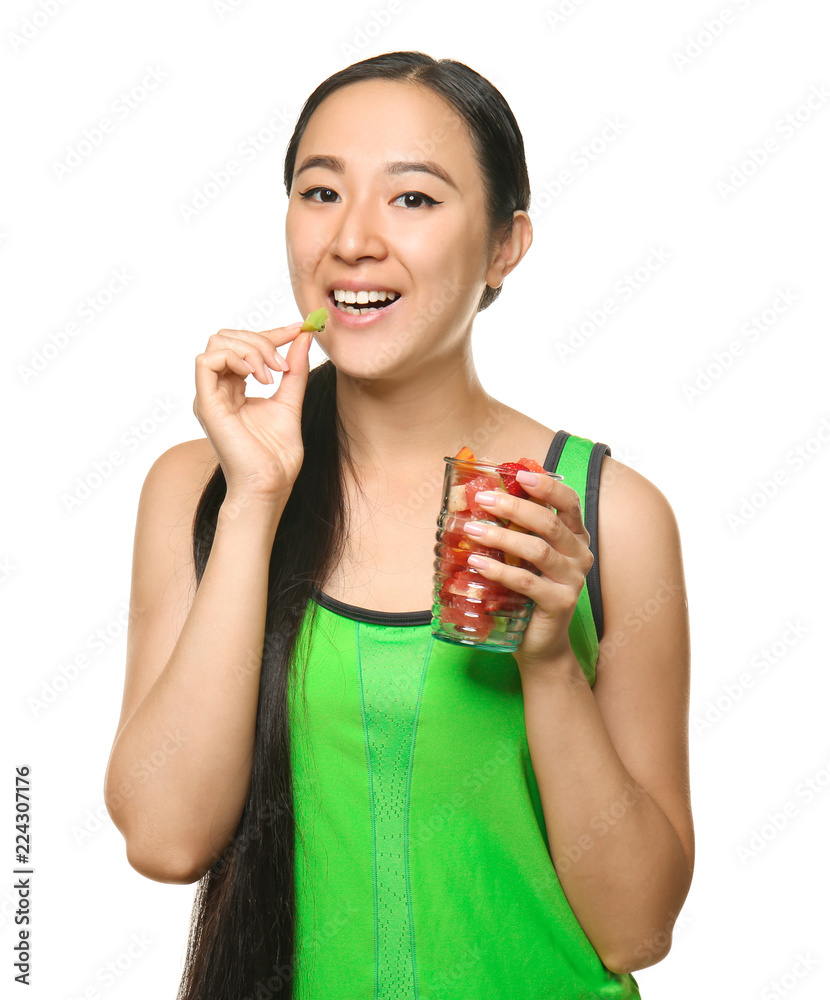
457, 265
291, 246
303, 248
448, 247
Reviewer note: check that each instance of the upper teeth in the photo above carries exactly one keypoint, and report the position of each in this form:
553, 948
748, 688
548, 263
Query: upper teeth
341, 295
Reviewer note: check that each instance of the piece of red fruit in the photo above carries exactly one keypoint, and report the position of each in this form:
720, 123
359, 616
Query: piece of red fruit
531, 465
475, 628
481, 482
507, 471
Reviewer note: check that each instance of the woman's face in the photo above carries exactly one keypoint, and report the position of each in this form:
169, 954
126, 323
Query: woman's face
388, 197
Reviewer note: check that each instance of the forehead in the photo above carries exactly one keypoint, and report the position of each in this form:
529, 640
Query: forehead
376, 121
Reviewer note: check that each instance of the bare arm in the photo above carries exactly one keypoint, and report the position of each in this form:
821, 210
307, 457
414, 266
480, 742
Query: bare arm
180, 765
612, 761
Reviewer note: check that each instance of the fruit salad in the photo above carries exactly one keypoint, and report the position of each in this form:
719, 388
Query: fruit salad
475, 605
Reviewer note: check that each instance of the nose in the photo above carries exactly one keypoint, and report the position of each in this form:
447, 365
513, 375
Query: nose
358, 233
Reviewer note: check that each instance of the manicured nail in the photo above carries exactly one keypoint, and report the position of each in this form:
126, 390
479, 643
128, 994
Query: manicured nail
481, 561
472, 528
486, 499
527, 478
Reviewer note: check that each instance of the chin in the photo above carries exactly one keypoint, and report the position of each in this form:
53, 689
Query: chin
363, 370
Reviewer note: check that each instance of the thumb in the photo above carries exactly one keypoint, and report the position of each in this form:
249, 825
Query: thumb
291, 389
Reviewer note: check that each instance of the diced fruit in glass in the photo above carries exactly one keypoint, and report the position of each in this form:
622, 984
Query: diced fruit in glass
481, 482
474, 628
457, 499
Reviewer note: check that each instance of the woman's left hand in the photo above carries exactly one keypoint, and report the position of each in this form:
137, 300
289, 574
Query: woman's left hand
558, 549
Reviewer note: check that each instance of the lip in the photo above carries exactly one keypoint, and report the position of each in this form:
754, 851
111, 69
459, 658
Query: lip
353, 321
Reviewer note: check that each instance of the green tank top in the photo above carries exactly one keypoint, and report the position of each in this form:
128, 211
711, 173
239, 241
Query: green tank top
422, 868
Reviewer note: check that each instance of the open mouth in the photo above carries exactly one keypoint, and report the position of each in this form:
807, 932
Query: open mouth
363, 302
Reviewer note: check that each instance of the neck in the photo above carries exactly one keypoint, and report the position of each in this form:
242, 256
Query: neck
408, 422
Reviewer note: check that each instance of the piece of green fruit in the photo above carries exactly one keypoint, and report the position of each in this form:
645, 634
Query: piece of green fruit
315, 321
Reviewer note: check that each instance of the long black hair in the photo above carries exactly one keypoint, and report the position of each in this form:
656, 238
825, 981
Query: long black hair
241, 943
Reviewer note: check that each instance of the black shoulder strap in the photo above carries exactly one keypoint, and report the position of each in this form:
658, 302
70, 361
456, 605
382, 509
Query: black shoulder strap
584, 465
598, 453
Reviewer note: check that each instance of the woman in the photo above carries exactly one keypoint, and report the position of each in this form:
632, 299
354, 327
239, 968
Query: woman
372, 812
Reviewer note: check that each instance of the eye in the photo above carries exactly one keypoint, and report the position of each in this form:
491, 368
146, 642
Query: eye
327, 196
418, 198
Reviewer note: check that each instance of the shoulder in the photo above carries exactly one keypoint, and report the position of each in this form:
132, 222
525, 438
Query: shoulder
174, 484
644, 601
183, 468
632, 510
643, 670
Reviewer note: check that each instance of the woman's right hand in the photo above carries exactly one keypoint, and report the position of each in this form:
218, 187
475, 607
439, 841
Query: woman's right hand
258, 441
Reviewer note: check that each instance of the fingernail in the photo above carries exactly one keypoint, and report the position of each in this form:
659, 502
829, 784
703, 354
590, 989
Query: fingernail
475, 529
528, 478
486, 499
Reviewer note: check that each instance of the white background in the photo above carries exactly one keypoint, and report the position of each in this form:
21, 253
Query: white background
754, 559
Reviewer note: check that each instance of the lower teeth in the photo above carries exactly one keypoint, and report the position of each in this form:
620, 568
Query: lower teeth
357, 312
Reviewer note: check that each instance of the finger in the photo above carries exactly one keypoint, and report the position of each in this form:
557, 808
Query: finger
259, 353
256, 349
538, 518
279, 335
551, 540
294, 380
516, 578
282, 335
213, 364
556, 494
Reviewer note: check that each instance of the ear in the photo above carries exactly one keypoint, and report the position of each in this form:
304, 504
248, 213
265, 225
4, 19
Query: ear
511, 251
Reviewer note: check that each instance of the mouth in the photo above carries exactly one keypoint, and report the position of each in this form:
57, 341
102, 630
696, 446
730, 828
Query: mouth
364, 302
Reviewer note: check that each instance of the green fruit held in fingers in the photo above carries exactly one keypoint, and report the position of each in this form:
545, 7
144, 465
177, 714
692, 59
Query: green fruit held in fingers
315, 321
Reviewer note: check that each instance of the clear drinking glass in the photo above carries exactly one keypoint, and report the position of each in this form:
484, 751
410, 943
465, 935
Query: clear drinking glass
468, 608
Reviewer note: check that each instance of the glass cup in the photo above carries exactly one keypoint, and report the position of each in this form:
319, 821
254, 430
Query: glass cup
468, 608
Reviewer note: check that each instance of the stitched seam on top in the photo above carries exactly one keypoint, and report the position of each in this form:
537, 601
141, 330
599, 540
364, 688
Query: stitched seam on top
371, 808
427, 656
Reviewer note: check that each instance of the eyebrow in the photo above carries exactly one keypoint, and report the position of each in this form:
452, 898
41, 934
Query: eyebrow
336, 164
